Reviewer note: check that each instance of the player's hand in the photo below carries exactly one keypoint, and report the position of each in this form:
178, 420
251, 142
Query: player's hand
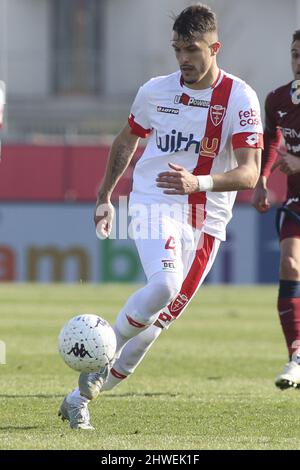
287, 163
178, 181
103, 218
260, 197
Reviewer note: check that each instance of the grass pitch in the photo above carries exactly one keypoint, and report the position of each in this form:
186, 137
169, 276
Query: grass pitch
207, 383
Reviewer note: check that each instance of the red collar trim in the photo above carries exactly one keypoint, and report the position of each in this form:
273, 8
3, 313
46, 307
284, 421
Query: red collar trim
217, 79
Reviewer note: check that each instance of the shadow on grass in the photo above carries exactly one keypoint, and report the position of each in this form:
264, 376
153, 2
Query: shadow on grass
18, 428
41, 395
133, 394
121, 395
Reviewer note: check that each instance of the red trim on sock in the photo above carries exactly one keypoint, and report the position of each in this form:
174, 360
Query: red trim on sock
132, 322
117, 374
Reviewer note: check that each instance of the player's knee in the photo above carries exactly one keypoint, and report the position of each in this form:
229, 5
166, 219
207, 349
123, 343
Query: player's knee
166, 288
161, 289
165, 295
289, 268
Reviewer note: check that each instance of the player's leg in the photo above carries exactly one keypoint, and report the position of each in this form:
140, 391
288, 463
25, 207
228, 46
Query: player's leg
131, 356
197, 263
135, 319
163, 268
289, 301
196, 267
74, 409
141, 309
161, 258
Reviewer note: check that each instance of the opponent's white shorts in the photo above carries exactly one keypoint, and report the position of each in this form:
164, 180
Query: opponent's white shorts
168, 246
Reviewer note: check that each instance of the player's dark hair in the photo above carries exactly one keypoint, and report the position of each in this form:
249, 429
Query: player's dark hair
296, 35
195, 19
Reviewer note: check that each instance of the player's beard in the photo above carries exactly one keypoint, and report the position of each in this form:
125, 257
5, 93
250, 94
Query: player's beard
193, 76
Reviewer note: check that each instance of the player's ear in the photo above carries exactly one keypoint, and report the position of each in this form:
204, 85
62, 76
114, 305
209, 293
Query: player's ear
215, 47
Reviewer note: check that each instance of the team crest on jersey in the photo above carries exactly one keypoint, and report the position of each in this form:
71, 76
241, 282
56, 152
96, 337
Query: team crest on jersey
217, 113
177, 304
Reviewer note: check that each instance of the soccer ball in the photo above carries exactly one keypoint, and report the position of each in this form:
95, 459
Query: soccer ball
87, 343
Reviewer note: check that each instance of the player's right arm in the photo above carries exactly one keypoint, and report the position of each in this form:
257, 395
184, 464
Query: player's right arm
121, 153
272, 138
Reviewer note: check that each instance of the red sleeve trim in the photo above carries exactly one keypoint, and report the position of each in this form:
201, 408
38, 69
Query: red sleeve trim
137, 129
248, 139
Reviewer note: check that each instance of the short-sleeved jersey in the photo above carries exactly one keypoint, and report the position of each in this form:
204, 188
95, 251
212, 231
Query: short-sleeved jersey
282, 119
197, 129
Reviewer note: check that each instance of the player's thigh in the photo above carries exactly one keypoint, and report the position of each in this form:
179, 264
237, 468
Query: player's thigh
198, 263
161, 249
290, 259
199, 249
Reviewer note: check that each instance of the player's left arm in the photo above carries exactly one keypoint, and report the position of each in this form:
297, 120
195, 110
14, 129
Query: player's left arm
244, 176
288, 163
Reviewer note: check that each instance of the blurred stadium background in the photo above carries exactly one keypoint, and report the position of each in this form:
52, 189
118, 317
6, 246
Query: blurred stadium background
72, 68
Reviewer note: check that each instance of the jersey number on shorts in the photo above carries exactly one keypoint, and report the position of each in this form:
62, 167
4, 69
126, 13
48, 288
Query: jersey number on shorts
171, 244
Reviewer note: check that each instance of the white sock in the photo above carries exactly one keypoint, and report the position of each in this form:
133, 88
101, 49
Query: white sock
131, 356
143, 307
112, 381
75, 397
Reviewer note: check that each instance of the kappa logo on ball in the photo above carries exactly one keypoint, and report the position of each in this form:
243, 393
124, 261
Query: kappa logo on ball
178, 304
79, 351
217, 114
87, 343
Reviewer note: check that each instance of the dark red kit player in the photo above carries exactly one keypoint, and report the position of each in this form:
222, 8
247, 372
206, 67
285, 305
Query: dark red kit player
283, 122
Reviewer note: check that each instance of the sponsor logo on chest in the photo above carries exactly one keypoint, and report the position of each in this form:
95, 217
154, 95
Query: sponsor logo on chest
164, 109
191, 101
291, 133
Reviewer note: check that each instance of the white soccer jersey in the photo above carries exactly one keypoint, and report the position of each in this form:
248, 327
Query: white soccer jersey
197, 129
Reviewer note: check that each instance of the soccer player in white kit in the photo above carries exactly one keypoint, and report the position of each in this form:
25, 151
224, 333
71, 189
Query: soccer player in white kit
205, 141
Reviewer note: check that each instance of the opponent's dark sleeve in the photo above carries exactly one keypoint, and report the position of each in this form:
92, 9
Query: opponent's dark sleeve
272, 136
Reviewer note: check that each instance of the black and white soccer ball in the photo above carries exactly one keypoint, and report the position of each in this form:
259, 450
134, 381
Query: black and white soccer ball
87, 343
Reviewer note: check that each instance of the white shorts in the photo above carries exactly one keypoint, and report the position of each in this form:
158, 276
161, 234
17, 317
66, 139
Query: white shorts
169, 246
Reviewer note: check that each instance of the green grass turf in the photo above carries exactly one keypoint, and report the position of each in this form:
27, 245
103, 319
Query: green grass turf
206, 384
